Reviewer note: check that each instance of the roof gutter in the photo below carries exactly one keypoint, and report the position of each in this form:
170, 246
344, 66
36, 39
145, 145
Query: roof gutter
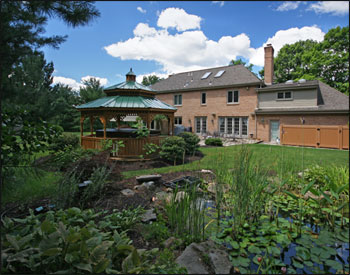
269, 89
208, 88
263, 112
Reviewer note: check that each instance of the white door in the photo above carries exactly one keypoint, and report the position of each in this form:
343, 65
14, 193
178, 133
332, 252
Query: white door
274, 130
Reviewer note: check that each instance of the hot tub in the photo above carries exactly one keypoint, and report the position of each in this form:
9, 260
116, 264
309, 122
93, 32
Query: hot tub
121, 133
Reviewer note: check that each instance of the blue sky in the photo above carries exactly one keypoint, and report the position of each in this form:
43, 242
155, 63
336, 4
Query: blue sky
164, 37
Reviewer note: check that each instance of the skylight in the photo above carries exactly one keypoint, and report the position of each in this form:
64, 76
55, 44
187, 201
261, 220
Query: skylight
219, 73
206, 75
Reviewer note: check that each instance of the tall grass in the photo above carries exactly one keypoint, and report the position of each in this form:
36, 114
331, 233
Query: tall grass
186, 214
24, 185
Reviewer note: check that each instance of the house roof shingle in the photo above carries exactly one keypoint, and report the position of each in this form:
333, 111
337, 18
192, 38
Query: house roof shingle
233, 76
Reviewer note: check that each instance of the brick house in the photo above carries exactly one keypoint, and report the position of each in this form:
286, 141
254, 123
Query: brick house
231, 101
213, 101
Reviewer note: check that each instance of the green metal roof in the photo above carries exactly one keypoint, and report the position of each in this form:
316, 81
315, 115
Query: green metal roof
137, 102
129, 85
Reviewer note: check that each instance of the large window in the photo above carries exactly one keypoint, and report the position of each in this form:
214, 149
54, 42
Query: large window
178, 120
203, 98
178, 100
233, 126
284, 96
201, 125
233, 97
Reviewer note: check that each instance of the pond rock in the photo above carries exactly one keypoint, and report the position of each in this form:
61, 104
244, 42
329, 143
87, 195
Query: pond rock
169, 242
128, 192
146, 185
147, 178
148, 216
205, 258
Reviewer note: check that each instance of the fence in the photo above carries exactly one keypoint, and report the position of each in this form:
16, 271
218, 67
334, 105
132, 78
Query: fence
315, 136
133, 147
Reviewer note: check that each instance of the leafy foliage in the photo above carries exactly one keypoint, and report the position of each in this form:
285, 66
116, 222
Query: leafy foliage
150, 80
91, 91
191, 141
66, 241
64, 140
21, 138
173, 148
239, 61
142, 130
213, 142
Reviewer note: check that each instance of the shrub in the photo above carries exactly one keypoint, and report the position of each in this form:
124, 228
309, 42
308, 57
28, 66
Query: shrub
191, 141
68, 155
156, 231
173, 148
213, 141
63, 141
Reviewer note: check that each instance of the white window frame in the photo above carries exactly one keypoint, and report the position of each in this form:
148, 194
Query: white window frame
233, 97
201, 120
284, 96
176, 120
177, 96
233, 132
205, 103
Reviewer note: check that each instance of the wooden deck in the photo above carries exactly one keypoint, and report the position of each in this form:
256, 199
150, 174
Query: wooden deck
133, 147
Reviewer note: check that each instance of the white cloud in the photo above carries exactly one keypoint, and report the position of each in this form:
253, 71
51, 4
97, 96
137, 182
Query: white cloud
220, 3
332, 7
284, 37
140, 9
288, 5
75, 85
179, 19
192, 50
67, 81
103, 81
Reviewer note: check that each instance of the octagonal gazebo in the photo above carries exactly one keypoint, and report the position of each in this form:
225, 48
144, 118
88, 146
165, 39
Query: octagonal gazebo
122, 100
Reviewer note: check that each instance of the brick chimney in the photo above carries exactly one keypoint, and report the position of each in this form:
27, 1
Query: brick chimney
268, 64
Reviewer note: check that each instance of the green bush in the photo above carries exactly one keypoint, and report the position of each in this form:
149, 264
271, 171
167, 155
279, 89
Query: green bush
213, 142
68, 155
64, 140
173, 148
191, 141
156, 231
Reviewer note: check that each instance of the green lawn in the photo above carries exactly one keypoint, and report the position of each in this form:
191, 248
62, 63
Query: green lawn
281, 159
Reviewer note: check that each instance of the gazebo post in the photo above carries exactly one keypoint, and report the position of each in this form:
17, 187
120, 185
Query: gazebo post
168, 126
148, 117
118, 121
82, 118
91, 125
172, 124
104, 122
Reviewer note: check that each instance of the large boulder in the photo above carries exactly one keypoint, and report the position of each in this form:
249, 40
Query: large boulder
205, 258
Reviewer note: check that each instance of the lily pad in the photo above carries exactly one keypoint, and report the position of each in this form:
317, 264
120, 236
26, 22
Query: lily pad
254, 249
334, 264
297, 264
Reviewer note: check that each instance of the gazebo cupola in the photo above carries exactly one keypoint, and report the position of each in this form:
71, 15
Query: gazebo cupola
130, 76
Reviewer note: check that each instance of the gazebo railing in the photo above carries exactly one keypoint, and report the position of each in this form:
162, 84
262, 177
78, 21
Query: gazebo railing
133, 147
